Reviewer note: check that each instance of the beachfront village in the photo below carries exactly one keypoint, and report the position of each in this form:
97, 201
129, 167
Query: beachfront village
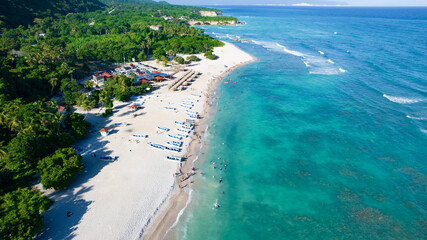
148, 143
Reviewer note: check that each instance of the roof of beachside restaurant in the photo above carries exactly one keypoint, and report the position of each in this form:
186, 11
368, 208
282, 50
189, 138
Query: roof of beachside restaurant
107, 74
143, 80
104, 130
152, 75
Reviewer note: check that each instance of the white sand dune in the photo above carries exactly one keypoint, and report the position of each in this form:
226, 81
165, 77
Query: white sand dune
118, 200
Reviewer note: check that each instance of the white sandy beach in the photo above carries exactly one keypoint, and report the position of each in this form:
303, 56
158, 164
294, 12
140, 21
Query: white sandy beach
118, 200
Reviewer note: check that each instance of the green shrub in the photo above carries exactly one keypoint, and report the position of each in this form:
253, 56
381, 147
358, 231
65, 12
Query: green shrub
77, 124
193, 58
60, 169
20, 213
210, 55
107, 112
180, 60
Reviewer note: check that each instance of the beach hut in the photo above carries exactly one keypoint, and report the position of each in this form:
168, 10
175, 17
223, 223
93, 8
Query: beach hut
134, 107
104, 131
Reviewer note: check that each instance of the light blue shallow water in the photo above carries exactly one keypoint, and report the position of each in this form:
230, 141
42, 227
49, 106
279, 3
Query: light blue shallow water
318, 146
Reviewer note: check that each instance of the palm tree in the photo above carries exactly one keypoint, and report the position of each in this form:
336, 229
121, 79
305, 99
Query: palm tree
2, 150
87, 106
53, 82
143, 45
148, 45
103, 97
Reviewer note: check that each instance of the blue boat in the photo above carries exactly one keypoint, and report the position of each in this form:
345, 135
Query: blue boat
175, 143
187, 103
163, 128
186, 127
191, 112
195, 95
182, 135
139, 136
193, 100
192, 116
179, 123
185, 106
120, 124
174, 158
170, 108
175, 136
172, 149
156, 146
107, 158
183, 130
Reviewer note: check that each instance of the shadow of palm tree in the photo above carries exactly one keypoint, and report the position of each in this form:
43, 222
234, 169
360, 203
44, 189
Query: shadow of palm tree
57, 225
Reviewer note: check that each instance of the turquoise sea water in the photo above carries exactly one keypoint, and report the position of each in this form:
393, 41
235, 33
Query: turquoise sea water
325, 137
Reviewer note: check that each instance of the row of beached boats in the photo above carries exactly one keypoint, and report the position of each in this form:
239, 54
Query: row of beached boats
184, 128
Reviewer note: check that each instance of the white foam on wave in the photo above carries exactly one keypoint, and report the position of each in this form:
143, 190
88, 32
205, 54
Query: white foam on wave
329, 60
402, 100
423, 130
322, 53
292, 52
190, 194
342, 70
315, 63
416, 118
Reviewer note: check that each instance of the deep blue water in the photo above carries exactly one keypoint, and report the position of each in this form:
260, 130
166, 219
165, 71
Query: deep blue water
325, 136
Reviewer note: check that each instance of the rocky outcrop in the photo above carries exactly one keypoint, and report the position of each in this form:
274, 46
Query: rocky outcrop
197, 23
210, 13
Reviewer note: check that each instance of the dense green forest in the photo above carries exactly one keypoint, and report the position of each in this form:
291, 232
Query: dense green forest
40, 64
14, 13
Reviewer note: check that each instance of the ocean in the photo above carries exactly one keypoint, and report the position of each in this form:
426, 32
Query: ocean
325, 136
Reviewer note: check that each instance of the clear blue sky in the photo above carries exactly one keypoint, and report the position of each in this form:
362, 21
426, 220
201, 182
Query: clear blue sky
313, 2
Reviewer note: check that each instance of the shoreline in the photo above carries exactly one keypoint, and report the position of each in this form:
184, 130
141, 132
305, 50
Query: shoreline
123, 199
168, 217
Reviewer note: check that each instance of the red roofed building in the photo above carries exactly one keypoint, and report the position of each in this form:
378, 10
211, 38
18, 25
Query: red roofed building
101, 76
104, 131
62, 110
158, 78
156, 27
134, 107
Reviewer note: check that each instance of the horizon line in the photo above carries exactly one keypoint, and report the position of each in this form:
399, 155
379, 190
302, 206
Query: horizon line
303, 5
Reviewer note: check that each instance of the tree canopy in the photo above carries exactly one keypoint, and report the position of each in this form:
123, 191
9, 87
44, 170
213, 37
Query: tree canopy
60, 168
20, 213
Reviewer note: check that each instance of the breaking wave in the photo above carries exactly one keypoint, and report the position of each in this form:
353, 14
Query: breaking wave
315, 64
416, 118
402, 100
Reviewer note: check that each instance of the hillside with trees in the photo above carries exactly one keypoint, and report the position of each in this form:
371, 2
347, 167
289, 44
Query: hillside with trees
23, 12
